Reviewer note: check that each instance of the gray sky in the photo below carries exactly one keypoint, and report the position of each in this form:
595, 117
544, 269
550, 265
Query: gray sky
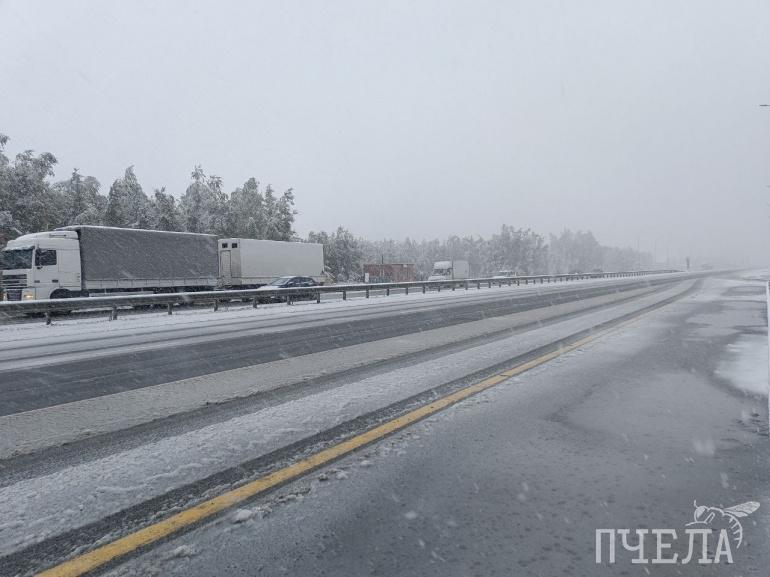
637, 120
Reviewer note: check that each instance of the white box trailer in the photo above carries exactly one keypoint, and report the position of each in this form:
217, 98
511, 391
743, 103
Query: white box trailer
249, 263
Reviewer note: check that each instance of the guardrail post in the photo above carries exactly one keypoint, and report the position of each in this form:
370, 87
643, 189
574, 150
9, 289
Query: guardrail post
453, 286
367, 292
478, 286
216, 304
518, 282
288, 300
423, 289
170, 308
48, 317
114, 312
387, 292
489, 284
466, 285
406, 290
254, 302
318, 297
344, 295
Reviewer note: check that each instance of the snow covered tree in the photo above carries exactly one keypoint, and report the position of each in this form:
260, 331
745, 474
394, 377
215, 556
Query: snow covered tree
575, 252
204, 205
164, 212
82, 201
26, 194
127, 204
246, 211
343, 253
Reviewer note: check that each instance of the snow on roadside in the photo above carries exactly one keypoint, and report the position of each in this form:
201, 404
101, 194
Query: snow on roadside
746, 366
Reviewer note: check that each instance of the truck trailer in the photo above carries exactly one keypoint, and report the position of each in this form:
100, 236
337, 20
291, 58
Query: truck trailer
81, 260
250, 263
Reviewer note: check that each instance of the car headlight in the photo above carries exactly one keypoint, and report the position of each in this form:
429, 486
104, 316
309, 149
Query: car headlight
28, 294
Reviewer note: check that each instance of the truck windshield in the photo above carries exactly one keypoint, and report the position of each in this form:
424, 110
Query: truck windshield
16, 258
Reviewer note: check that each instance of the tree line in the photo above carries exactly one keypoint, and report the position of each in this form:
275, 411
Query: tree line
30, 202
522, 251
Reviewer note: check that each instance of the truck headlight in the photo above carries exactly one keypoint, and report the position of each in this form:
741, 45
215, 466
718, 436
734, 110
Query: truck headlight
28, 294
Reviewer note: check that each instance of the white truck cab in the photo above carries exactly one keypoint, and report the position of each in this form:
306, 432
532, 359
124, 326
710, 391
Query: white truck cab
42, 265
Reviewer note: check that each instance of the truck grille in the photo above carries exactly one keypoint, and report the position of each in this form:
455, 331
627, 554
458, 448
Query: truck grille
14, 281
11, 286
12, 294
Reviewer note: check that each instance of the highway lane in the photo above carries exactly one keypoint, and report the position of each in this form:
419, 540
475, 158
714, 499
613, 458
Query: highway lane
157, 329
74, 361
94, 487
625, 432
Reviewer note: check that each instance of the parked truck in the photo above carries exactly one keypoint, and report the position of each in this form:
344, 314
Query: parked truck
249, 263
450, 270
94, 260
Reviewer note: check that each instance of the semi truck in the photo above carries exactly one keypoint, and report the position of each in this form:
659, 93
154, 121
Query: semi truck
450, 270
84, 260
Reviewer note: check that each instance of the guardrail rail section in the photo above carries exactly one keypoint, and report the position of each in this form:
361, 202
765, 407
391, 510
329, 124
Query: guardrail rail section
113, 303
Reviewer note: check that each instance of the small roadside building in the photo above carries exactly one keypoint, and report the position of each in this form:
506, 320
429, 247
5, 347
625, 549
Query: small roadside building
391, 272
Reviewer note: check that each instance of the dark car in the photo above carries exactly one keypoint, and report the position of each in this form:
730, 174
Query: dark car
289, 282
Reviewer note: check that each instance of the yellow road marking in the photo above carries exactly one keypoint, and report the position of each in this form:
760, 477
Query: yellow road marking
106, 553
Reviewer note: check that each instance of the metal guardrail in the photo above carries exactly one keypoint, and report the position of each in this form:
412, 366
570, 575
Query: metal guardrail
256, 296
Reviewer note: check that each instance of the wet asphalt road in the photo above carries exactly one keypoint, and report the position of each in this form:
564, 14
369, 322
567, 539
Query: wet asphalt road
65, 381
624, 433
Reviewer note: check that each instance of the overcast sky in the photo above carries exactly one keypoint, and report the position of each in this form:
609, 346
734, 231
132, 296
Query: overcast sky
637, 120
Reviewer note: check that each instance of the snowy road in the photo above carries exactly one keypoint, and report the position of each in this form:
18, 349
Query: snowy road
625, 432
158, 442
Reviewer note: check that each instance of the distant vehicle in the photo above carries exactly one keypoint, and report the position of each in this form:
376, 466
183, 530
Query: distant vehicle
289, 282
81, 261
504, 274
248, 263
450, 270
